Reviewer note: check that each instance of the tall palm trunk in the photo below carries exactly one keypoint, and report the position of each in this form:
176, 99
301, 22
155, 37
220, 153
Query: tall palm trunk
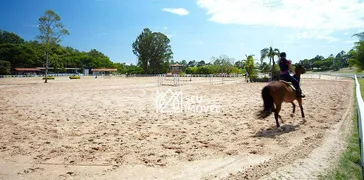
273, 70
46, 69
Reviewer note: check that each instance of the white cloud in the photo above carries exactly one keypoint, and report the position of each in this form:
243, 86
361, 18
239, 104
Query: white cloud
325, 35
178, 11
165, 27
303, 15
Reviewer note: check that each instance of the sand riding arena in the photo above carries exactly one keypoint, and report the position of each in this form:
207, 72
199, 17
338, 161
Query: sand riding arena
110, 128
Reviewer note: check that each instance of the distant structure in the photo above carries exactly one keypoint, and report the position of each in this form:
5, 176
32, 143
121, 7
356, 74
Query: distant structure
64, 70
103, 71
41, 71
27, 71
175, 68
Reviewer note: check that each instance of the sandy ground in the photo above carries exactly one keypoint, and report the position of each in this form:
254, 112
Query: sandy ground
108, 128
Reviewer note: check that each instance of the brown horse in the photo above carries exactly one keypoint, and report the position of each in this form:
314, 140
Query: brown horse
277, 92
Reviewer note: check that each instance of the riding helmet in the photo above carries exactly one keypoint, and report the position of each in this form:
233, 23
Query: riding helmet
283, 54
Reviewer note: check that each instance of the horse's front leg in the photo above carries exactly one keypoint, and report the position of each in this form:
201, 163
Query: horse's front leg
294, 107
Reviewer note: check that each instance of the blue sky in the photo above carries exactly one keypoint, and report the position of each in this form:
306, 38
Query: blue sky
198, 29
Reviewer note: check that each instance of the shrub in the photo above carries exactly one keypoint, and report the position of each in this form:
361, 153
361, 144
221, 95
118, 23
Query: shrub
49, 78
75, 77
258, 79
5, 67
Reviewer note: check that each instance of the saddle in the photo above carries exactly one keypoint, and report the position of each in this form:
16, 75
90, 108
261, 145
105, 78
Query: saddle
288, 84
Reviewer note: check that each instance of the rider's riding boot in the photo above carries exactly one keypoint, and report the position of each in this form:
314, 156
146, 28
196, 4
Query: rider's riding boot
300, 94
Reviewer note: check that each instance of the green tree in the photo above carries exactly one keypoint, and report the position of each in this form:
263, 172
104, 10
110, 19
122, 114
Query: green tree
340, 61
201, 63
184, 63
153, 50
121, 67
9, 37
360, 36
192, 70
38, 56
250, 65
19, 55
224, 63
98, 59
5, 67
357, 54
351, 58
358, 57
265, 67
306, 63
270, 53
133, 69
192, 63
330, 63
51, 30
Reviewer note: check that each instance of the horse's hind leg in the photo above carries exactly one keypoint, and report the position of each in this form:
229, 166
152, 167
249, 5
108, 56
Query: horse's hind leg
276, 113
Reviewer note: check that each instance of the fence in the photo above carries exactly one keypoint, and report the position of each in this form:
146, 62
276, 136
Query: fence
216, 80
360, 117
360, 106
359, 101
162, 81
27, 76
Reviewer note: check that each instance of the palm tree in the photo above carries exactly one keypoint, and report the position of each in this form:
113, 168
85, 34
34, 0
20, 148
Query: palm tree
269, 53
359, 35
249, 64
357, 54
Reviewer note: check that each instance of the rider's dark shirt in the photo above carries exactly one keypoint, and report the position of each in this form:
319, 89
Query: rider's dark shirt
284, 65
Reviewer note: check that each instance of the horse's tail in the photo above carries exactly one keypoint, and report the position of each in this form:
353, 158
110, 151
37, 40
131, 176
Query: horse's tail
268, 103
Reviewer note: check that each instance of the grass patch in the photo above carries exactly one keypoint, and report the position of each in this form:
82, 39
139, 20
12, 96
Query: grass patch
349, 163
75, 77
49, 78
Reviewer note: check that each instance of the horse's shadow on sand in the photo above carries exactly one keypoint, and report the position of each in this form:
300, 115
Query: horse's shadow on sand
273, 132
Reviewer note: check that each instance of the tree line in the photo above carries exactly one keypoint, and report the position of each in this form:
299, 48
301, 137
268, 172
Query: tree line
357, 53
153, 51
45, 51
332, 62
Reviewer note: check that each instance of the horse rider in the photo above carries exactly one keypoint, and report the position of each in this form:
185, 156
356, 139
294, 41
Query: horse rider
284, 66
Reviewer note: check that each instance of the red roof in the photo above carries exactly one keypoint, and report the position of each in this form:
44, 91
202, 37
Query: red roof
104, 69
176, 64
27, 69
